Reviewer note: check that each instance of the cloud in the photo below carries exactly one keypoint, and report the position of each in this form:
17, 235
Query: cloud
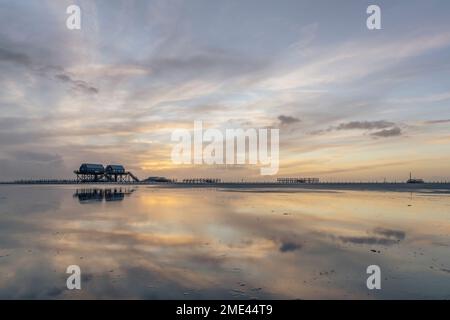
390, 129
365, 125
289, 246
206, 62
437, 121
264, 74
354, 60
37, 156
438, 97
77, 84
287, 120
386, 237
21, 59
368, 240
387, 133
18, 168
390, 233
14, 57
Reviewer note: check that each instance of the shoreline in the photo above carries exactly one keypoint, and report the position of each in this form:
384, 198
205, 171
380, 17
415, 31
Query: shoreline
358, 186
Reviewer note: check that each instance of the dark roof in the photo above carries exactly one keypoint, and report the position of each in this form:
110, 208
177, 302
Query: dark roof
116, 167
92, 166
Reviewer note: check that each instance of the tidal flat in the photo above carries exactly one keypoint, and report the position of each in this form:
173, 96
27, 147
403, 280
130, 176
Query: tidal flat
148, 242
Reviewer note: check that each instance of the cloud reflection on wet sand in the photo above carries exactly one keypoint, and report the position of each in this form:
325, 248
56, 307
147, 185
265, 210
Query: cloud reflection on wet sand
169, 243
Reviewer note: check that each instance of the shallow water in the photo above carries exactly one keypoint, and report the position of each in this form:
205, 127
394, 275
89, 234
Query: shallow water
156, 243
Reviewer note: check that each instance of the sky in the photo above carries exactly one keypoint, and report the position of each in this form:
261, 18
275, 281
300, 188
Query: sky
350, 103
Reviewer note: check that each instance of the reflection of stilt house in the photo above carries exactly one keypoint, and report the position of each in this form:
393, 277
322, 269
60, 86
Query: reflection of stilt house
98, 195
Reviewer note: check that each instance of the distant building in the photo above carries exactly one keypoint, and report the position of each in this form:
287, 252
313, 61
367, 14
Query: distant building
91, 168
297, 180
90, 172
115, 168
157, 179
413, 180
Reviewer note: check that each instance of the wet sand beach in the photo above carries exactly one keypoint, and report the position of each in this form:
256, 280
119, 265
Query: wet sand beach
167, 242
